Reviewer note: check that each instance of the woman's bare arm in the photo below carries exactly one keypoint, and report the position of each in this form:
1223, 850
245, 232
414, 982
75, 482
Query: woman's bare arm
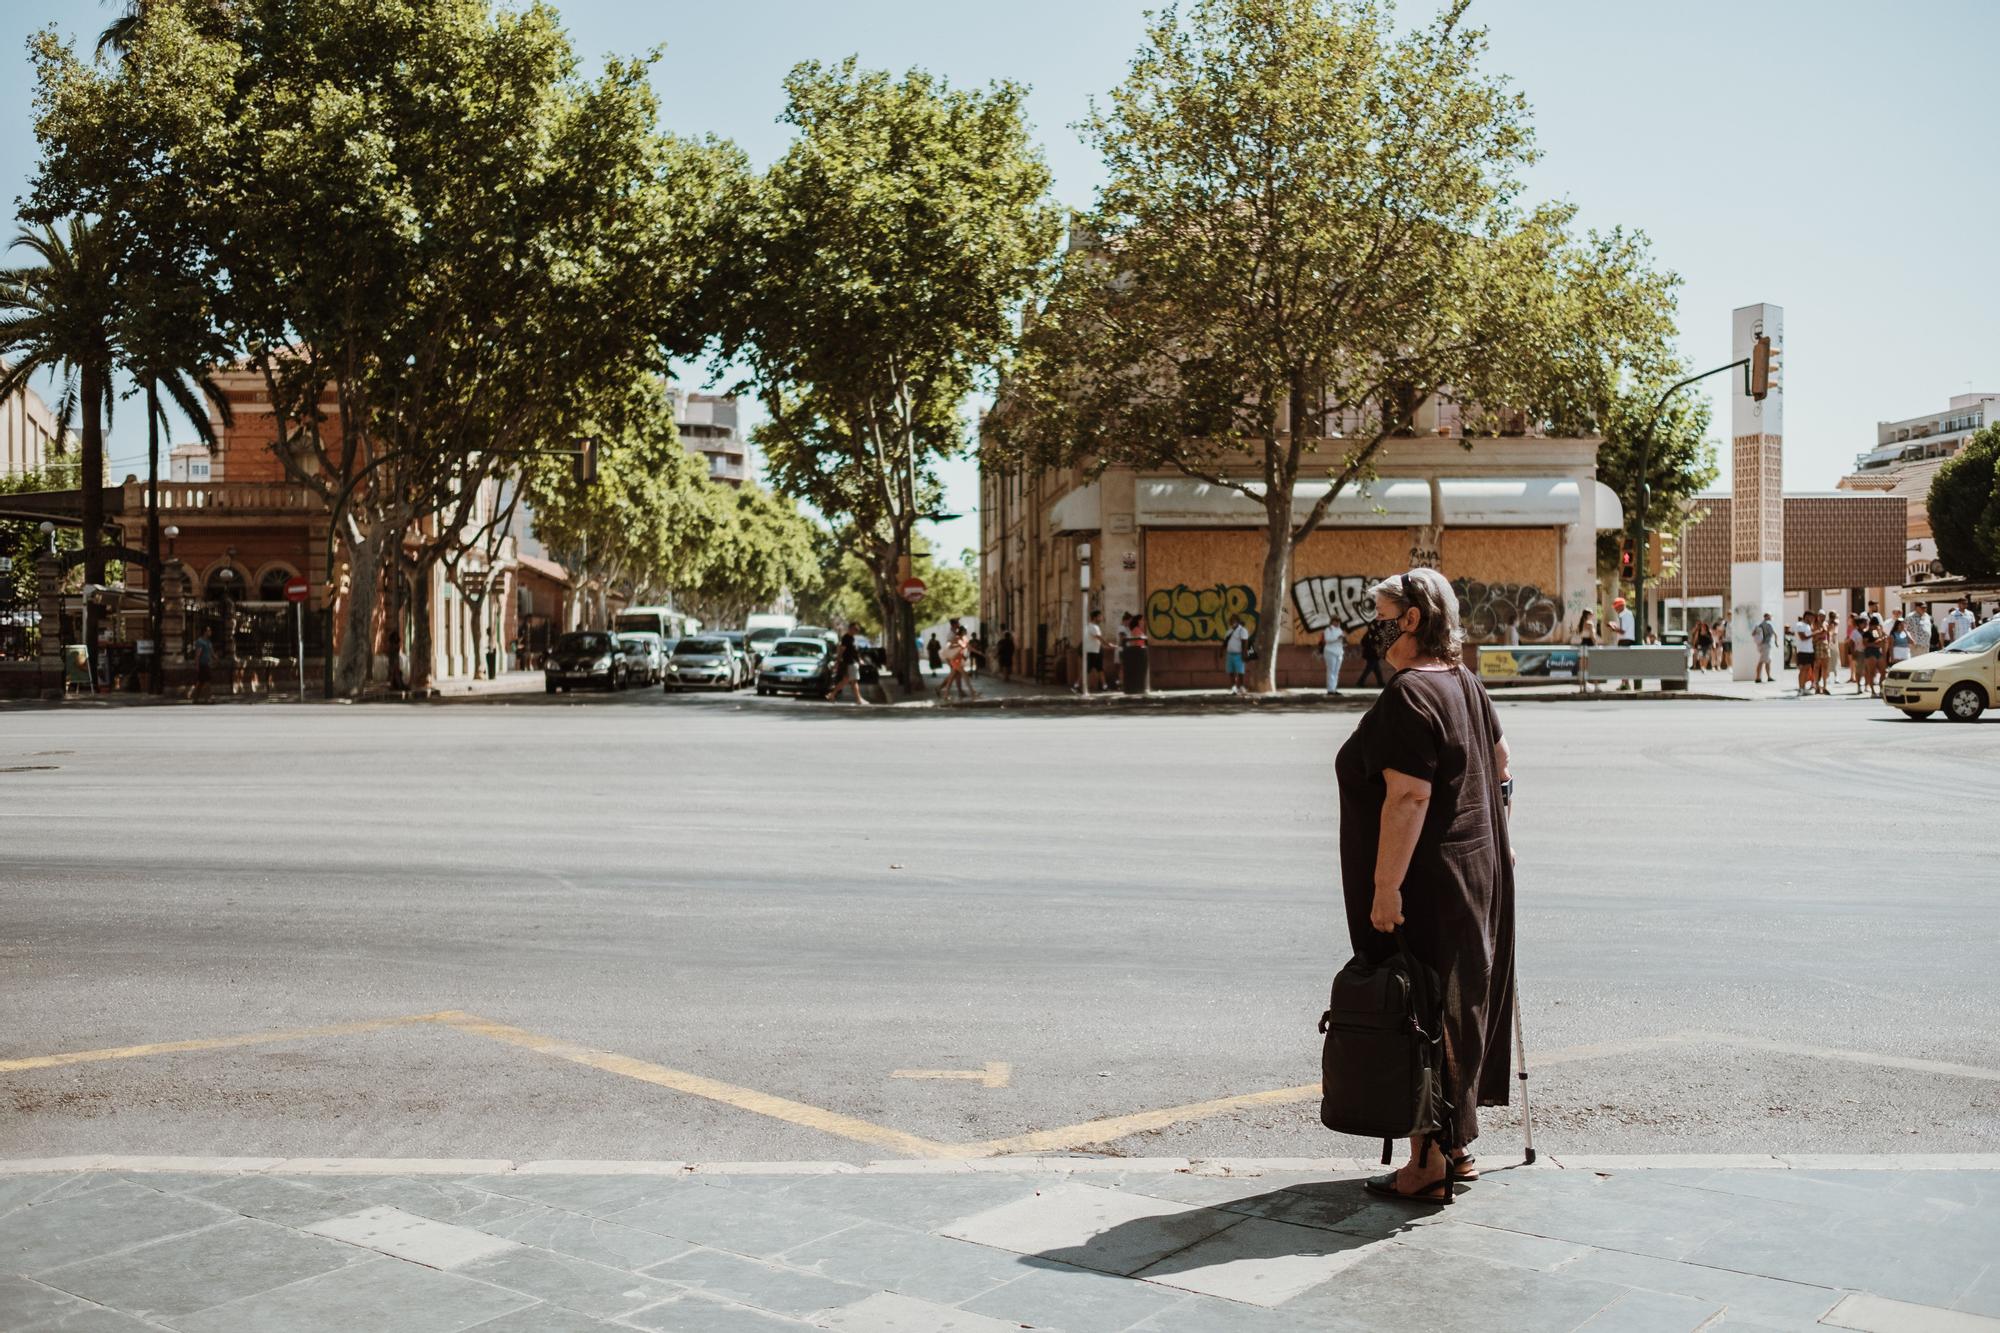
1404, 805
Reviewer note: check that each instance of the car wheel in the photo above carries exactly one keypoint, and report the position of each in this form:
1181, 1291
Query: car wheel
1964, 702
550, 686
1916, 714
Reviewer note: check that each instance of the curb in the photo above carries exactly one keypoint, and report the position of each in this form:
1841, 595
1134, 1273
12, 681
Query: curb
1199, 1166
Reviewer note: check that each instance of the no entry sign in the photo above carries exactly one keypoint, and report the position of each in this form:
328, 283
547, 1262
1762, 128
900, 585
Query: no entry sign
297, 589
913, 589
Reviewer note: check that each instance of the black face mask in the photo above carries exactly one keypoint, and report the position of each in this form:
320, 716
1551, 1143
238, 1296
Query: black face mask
1385, 632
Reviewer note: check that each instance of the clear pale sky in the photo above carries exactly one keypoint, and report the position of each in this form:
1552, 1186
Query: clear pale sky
1829, 156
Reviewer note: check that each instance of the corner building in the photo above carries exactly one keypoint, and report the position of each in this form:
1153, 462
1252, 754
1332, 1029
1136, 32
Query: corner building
1511, 520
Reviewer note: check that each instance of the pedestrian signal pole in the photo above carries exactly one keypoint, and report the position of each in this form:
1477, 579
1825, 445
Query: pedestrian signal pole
1083, 630
1758, 372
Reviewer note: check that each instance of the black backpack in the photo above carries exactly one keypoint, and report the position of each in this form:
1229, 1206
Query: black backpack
1382, 1068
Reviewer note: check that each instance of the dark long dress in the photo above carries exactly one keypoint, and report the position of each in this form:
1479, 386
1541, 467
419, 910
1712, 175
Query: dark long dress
1458, 897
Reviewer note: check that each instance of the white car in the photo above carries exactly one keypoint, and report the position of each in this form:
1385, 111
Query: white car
703, 661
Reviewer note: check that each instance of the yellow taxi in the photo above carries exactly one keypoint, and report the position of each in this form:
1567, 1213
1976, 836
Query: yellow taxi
1962, 678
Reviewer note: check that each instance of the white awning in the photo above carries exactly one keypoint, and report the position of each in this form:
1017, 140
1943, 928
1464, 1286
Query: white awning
1610, 510
1397, 502
1082, 510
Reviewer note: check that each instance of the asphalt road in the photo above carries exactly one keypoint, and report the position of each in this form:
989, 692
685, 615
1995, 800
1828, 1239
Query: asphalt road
1128, 911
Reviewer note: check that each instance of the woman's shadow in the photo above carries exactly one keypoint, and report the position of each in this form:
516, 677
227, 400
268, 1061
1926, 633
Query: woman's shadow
1317, 1219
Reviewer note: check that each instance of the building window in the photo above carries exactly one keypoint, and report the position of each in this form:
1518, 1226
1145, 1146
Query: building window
272, 587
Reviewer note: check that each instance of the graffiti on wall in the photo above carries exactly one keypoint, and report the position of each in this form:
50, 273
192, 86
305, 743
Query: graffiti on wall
1487, 610
1195, 615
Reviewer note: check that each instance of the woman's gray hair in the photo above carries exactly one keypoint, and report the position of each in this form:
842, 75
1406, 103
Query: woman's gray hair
1438, 633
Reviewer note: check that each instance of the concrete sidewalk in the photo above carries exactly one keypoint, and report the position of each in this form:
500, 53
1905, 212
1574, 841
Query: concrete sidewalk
1085, 1245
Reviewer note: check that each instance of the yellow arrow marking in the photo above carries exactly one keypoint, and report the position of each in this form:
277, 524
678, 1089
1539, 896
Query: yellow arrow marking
995, 1075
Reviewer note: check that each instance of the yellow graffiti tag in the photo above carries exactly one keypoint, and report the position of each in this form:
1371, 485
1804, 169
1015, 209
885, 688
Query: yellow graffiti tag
1197, 615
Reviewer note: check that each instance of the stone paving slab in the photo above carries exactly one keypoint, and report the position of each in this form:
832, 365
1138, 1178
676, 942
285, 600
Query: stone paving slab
1072, 1245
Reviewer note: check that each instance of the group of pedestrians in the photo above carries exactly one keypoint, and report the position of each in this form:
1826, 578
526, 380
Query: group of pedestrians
1866, 644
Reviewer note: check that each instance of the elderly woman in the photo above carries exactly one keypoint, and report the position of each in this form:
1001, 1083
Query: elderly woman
1424, 851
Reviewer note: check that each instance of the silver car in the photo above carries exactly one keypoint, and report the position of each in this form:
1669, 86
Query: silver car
645, 656
702, 662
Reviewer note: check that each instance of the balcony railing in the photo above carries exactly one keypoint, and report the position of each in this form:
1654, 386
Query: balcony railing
226, 497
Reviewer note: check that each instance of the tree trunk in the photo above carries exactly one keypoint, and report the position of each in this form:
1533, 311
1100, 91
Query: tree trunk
355, 664
423, 645
1263, 675
392, 603
155, 572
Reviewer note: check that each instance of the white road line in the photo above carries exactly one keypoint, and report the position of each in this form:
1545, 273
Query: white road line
1221, 1166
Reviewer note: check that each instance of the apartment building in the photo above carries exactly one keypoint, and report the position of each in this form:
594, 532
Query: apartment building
28, 439
1907, 454
710, 426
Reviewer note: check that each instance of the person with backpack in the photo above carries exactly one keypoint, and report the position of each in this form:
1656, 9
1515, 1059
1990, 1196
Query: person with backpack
1236, 653
1426, 865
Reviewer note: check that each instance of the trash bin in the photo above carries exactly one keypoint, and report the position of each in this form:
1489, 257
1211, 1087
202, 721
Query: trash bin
1133, 669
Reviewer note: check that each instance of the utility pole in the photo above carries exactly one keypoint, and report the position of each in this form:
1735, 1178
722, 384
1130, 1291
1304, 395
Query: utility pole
1083, 628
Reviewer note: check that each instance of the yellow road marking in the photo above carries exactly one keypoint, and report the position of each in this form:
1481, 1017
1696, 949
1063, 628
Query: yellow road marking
1119, 1126
996, 1074
211, 1043
744, 1099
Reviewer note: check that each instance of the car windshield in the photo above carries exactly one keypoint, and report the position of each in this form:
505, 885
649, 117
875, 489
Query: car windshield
1978, 641
584, 643
765, 635
798, 648
701, 648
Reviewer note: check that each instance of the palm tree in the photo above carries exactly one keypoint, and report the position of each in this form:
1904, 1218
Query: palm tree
122, 32
58, 317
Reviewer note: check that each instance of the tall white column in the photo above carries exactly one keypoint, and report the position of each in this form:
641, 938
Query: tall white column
1757, 490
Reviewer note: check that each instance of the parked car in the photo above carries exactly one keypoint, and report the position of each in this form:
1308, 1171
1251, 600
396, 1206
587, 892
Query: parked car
1962, 678
745, 669
645, 657
757, 642
703, 661
796, 666
586, 657
819, 632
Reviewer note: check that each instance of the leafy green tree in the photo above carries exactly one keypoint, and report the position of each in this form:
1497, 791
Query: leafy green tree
1681, 462
761, 549
882, 265
644, 525
950, 590
1964, 505
1309, 226
440, 247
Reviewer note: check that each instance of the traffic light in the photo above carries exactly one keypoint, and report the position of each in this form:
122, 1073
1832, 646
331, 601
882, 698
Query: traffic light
1760, 367
1625, 558
586, 462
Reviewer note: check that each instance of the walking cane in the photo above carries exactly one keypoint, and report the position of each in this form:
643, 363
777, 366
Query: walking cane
1520, 1043
1521, 1057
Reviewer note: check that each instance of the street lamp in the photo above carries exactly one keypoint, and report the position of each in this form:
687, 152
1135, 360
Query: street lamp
49, 535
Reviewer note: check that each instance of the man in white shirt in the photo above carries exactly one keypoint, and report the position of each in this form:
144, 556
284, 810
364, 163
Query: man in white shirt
1093, 652
1621, 616
1802, 651
1918, 623
1235, 651
1958, 621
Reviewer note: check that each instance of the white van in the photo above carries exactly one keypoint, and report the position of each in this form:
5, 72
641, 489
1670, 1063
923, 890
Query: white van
762, 630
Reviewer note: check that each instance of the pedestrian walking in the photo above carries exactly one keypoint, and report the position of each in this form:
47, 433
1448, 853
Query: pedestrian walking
1901, 649
1424, 852
1586, 639
1371, 661
204, 667
1006, 650
1623, 624
957, 653
1235, 653
1333, 651
1764, 634
935, 652
1822, 646
847, 665
1704, 645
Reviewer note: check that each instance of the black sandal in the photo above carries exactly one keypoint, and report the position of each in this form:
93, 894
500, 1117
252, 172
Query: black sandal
1463, 1167
1438, 1191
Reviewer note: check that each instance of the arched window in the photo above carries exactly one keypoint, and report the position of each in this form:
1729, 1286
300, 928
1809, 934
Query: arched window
225, 583
271, 588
